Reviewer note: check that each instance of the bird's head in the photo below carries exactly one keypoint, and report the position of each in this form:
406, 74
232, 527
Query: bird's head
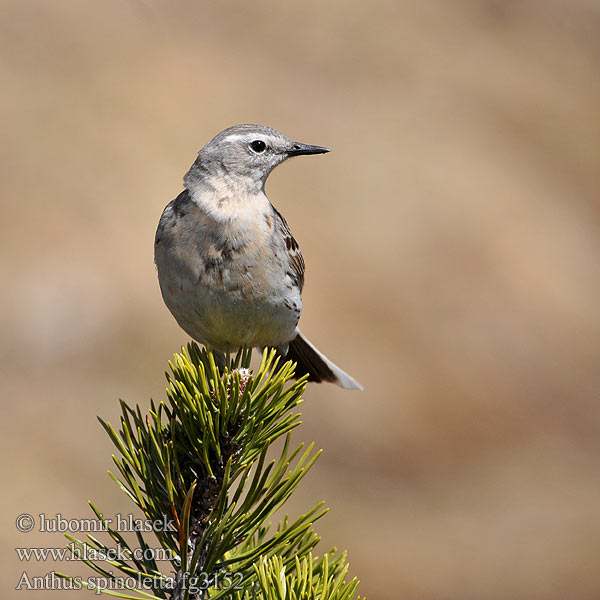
243, 156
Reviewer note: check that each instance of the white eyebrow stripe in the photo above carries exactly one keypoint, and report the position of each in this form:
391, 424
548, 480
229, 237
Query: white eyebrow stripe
250, 137
234, 137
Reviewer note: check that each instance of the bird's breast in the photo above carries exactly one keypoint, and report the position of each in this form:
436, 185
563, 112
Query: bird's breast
226, 282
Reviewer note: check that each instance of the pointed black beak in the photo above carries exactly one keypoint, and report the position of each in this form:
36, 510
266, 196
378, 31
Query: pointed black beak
298, 149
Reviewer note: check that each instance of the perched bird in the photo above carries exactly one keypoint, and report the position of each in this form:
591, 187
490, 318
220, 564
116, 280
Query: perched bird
229, 269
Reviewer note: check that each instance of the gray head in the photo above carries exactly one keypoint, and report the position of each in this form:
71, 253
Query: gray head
243, 156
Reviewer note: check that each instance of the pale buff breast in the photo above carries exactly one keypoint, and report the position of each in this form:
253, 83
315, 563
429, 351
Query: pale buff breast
226, 279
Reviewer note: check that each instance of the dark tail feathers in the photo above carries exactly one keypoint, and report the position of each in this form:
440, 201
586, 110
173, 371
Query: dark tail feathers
318, 366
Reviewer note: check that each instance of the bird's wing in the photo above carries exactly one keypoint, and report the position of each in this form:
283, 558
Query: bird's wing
296, 260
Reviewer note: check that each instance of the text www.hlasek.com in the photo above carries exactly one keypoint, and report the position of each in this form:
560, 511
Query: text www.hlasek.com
72, 552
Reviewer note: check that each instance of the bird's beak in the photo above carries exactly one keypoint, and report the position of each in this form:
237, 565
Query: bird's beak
298, 149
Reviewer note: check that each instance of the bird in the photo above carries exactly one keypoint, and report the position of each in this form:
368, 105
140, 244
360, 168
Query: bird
229, 269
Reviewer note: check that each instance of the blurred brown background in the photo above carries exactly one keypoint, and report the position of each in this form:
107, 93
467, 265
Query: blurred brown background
452, 242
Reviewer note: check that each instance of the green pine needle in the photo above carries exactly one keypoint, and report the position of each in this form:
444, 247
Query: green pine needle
200, 461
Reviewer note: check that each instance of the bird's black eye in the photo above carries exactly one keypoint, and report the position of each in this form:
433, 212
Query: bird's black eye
258, 146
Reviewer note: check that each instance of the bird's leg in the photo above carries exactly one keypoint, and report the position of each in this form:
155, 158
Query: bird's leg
220, 361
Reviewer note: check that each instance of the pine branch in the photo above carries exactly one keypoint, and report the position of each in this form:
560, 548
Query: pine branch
199, 461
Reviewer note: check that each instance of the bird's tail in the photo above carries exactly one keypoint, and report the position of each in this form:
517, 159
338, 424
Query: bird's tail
318, 366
